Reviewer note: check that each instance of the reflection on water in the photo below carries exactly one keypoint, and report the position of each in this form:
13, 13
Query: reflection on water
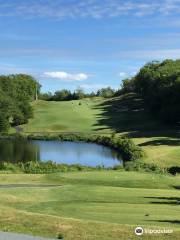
89, 154
16, 150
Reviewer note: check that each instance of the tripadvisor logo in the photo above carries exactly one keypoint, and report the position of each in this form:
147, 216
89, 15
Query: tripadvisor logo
139, 231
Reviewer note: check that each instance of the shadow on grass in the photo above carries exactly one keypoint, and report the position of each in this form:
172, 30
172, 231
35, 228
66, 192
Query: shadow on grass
127, 114
169, 142
165, 200
166, 221
176, 187
170, 221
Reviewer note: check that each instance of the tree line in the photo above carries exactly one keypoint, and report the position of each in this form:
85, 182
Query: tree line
158, 83
16, 93
67, 95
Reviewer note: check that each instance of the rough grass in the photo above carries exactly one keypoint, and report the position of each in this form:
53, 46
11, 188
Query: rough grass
99, 205
163, 151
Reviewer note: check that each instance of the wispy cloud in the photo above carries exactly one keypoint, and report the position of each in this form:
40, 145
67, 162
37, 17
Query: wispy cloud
87, 9
64, 76
124, 75
13, 69
150, 54
92, 86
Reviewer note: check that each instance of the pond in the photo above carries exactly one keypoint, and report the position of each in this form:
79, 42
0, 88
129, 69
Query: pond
88, 154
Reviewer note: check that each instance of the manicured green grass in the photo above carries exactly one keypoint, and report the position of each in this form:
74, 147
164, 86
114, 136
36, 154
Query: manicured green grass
91, 205
118, 179
64, 116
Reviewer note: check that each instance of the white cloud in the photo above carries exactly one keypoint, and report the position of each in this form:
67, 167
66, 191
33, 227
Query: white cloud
88, 9
122, 74
64, 76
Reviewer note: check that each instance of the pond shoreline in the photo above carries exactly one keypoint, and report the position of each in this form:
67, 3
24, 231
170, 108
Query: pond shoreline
123, 145
22, 150
132, 155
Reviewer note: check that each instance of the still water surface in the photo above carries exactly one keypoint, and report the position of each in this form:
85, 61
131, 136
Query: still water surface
88, 154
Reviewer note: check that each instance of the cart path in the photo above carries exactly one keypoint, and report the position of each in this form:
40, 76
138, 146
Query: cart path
29, 185
16, 236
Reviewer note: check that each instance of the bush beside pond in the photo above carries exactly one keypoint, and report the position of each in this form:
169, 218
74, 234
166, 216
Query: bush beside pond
125, 146
52, 167
49, 167
142, 166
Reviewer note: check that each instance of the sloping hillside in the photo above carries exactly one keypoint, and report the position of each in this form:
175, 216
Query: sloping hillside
123, 115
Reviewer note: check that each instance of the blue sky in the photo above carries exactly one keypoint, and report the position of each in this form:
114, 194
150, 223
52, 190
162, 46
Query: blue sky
86, 43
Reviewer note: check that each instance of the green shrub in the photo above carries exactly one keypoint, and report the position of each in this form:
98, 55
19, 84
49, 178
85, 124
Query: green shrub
125, 146
118, 167
7, 166
52, 167
142, 166
40, 167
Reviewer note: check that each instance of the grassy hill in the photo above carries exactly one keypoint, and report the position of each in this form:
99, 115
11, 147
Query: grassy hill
120, 114
124, 115
90, 205
64, 116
